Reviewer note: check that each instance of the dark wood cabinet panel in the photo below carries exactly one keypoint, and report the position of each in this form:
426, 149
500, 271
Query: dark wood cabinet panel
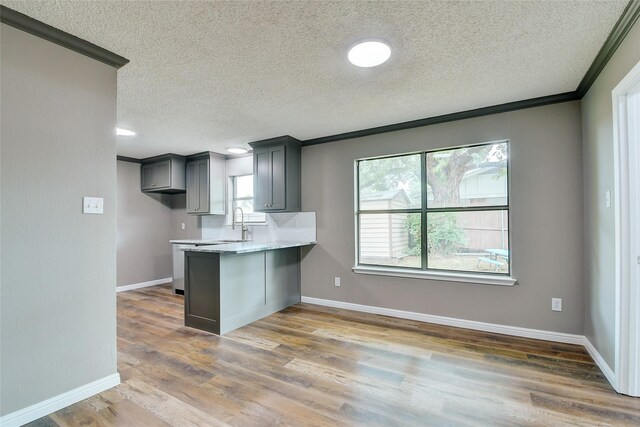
276, 166
202, 291
206, 184
163, 174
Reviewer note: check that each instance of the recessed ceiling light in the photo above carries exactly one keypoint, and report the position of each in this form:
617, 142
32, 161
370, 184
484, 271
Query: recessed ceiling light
124, 132
369, 53
237, 150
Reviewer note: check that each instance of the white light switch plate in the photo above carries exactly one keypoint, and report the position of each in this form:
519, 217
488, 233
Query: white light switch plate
92, 205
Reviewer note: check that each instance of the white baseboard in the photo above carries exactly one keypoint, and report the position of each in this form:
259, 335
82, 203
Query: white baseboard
604, 366
451, 321
46, 407
144, 284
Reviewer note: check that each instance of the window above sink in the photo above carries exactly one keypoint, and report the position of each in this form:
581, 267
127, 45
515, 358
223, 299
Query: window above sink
241, 196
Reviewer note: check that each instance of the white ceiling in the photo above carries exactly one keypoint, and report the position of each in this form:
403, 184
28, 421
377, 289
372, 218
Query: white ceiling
205, 75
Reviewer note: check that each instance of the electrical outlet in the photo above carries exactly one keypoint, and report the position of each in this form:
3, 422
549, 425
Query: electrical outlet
336, 281
183, 226
556, 304
607, 198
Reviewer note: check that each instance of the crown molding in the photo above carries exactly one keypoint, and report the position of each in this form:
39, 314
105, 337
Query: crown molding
40, 29
478, 112
620, 30
128, 159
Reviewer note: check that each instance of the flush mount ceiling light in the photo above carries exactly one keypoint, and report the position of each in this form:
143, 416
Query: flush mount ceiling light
369, 53
124, 132
237, 150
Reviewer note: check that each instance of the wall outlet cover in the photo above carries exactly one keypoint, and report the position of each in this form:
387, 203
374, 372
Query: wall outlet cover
92, 205
336, 281
556, 304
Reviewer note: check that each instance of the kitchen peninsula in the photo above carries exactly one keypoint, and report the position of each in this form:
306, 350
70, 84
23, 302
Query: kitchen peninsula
229, 285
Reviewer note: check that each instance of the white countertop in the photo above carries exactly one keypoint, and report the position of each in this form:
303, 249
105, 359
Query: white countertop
198, 242
215, 246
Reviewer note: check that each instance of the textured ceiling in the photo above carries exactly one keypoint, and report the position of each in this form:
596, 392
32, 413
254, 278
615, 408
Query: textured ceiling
207, 75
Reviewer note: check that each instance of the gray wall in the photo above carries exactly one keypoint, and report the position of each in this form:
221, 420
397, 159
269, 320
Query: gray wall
597, 131
546, 213
146, 222
143, 230
58, 317
179, 216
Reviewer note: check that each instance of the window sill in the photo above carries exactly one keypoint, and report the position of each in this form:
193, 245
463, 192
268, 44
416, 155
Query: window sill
475, 279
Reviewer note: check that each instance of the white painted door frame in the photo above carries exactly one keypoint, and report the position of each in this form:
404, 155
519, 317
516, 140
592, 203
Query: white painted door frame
626, 121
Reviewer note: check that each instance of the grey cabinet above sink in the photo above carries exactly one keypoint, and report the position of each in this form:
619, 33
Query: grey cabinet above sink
276, 179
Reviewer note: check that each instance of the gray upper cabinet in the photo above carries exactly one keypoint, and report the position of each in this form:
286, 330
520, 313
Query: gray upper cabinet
206, 184
276, 174
163, 174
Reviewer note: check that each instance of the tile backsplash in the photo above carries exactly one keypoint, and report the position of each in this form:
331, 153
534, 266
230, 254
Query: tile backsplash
298, 226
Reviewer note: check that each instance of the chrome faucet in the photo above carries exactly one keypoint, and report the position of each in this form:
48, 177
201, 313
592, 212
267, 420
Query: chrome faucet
243, 227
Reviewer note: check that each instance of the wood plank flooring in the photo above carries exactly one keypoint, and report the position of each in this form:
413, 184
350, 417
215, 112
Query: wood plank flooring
316, 366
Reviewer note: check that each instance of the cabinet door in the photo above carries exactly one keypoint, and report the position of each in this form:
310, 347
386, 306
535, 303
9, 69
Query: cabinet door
262, 179
278, 178
203, 186
217, 186
148, 176
193, 196
202, 291
162, 177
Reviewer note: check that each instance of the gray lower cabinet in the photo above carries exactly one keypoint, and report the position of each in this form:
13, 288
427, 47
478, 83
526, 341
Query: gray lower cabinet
226, 291
276, 165
206, 184
163, 174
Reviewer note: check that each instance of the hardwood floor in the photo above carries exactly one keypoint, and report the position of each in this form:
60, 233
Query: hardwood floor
316, 366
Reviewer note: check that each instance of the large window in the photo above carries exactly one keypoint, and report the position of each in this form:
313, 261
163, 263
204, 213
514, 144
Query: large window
444, 210
242, 197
